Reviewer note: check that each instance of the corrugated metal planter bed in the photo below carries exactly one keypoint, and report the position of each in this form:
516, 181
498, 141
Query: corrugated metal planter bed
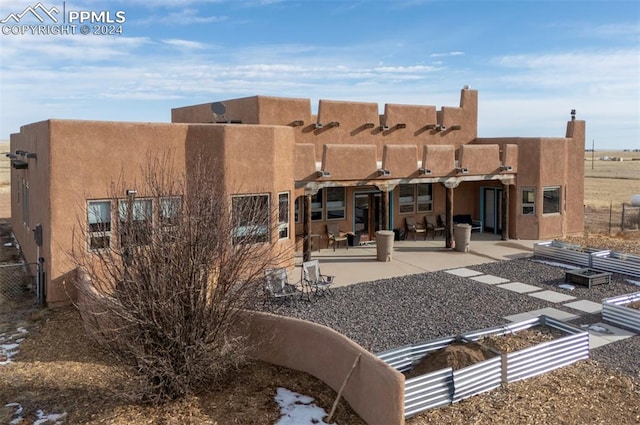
542, 357
603, 260
445, 386
616, 262
616, 310
562, 251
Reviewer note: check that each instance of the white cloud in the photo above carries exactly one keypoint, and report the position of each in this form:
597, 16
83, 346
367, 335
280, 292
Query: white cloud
187, 44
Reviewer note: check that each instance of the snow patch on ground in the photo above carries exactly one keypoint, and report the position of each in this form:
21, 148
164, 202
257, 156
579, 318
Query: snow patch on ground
634, 282
298, 409
9, 344
42, 418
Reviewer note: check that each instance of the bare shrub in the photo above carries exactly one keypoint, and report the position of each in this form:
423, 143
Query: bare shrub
161, 284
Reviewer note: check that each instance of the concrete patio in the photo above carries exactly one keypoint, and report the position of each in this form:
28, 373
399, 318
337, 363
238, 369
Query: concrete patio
359, 264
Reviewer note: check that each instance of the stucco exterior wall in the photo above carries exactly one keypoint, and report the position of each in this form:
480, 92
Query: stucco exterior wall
99, 153
32, 138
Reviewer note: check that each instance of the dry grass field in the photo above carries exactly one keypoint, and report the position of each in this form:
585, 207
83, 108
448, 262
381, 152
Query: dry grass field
607, 184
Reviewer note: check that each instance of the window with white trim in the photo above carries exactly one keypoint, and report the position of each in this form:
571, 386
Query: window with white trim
283, 215
528, 201
99, 224
425, 199
335, 204
250, 214
135, 221
551, 200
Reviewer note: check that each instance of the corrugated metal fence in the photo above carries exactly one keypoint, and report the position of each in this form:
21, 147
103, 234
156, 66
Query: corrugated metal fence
448, 386
604, 260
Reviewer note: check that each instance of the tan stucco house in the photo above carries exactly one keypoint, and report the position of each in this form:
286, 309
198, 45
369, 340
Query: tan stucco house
350, 164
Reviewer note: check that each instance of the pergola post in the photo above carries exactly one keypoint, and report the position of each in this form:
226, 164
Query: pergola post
448, 205
306, 228
505, 211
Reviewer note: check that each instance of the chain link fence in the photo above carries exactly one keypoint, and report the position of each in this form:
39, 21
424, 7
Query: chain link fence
18, 281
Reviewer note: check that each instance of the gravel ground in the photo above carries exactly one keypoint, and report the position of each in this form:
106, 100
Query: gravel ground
409, 309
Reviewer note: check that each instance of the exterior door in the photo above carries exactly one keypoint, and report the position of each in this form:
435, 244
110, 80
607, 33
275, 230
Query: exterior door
367, 213
492, 210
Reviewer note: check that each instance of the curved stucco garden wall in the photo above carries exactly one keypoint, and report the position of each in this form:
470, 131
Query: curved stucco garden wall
375, 390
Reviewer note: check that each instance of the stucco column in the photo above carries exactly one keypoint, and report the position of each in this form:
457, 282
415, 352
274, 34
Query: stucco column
448, 206
505, 211
306, 228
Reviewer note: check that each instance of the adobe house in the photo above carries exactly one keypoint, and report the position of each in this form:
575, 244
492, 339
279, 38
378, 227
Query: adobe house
348, 165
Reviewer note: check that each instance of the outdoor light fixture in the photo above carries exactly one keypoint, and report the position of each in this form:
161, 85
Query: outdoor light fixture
401, 125
318, 125
12, 155
297, 123
430, 126
424, 171
32, 155
573, 115
506, 168
369, 125
19, 152
323, 173
383, 172
462, 170
384, 127
131, 192
441, 127
456, 127
19, 164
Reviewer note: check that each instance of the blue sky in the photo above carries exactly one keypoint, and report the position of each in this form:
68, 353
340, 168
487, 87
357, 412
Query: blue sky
531, 61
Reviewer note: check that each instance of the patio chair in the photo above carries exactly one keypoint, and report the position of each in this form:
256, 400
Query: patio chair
314, 282
412, 226
277, 287
335, 236
432, 225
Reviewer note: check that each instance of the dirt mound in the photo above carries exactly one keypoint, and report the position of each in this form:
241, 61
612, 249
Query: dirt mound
635, 304
456, 355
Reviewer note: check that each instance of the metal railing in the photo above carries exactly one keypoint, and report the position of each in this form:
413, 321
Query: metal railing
448, 386
614, 311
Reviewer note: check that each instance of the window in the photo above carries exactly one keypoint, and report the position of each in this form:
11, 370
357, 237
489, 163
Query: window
335, 203
297, 208
316, 206
407, 198
250, 218
528, 201
134, 220
99, 224
170, 209
425, 202
283, 215
551, 200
